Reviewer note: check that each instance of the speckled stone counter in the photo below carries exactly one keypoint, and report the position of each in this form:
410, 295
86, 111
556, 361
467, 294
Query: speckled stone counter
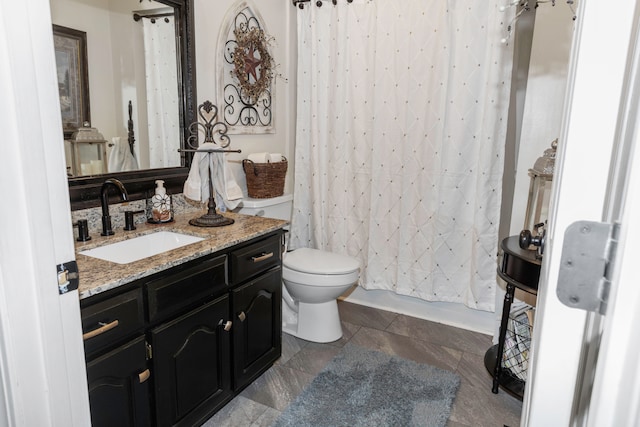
98, 276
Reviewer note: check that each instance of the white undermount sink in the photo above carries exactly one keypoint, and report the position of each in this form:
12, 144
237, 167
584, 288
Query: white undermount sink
141, 247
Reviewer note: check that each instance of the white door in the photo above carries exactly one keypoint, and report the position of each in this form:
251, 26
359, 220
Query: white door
42, 367
584, 368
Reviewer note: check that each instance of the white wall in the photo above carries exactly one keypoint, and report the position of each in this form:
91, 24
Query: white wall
280, 24
92, 18
542, 117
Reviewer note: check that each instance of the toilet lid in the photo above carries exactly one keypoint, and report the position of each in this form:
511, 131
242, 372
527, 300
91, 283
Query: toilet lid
315, 261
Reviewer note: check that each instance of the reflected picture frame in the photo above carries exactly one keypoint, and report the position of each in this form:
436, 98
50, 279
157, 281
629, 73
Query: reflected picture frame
70, 48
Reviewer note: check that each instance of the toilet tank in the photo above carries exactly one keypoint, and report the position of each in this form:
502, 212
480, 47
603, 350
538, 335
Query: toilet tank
275, 207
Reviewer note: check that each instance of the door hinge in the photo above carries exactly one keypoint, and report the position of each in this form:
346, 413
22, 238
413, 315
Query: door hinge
68, 278
149, 350
588, 254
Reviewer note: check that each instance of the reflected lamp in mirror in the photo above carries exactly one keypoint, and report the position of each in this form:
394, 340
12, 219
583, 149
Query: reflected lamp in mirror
87, 150
541, 176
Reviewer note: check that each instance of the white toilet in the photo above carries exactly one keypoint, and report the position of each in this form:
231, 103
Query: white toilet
313, 279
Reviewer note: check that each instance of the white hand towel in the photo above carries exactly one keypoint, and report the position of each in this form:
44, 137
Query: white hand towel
234, 192
130, 163
196, 187
192, 186
259, 157
227, 192
115, 156
120, 157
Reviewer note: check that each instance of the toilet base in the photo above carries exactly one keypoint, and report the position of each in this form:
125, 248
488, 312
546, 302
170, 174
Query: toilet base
316, 322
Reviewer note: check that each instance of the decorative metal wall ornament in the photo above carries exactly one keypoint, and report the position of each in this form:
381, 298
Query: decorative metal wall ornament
246, 77
250, 41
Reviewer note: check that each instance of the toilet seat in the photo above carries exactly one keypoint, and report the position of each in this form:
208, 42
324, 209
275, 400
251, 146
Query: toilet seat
316, 261
314, 267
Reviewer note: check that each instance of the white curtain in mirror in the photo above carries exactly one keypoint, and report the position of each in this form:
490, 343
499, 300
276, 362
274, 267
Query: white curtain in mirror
162, 92
401, 124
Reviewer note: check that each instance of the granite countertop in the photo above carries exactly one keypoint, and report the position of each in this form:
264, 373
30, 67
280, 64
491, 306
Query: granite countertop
97, 275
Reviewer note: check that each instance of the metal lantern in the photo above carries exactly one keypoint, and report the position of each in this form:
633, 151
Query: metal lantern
88, 152
540, 191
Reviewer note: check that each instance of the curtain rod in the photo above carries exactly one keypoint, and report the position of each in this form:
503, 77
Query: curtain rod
300, 3
139, 16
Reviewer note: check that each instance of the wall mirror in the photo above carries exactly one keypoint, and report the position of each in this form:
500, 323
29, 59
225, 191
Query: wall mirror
141, 78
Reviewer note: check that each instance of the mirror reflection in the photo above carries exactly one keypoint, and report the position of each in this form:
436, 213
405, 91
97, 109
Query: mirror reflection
134, 94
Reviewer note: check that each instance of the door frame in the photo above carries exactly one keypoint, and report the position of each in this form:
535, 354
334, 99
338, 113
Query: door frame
42, 366
597, 71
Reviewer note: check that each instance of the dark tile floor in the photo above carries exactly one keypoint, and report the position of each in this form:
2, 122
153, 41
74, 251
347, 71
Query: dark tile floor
439, 345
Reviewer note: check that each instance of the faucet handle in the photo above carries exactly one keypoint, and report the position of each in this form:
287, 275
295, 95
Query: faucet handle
83, 230
129, 223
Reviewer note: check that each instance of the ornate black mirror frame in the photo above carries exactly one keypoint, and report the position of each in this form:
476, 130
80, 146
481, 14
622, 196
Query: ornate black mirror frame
84, 192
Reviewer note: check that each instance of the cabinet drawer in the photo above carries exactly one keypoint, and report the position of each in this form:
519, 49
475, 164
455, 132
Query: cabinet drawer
186, 287
255, 258
110, 321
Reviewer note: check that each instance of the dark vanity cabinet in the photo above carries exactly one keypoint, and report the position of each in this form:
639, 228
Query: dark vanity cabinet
256, 301
189, 340
117, 372
185, 340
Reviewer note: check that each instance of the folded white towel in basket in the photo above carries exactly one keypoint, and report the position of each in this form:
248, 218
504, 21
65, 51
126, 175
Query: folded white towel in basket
228, 193
259, 157
275, 157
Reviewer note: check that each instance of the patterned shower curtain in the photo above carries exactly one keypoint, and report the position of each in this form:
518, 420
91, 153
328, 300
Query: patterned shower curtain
161, 74
401, 123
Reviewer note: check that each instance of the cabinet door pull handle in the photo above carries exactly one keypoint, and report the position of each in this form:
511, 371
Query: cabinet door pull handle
227, 326
143, 376
242, 316
104, 327
261, 257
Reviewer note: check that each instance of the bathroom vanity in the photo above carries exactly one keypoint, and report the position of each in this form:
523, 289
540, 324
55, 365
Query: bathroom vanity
172, 338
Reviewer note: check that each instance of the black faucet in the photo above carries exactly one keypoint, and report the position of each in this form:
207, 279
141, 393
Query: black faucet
106, 219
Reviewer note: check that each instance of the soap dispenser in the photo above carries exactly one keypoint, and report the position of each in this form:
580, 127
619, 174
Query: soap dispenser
160, 205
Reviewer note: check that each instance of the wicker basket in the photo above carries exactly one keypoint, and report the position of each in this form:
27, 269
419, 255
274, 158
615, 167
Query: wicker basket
265, 180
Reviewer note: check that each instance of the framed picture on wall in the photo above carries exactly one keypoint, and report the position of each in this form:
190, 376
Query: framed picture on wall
73, 77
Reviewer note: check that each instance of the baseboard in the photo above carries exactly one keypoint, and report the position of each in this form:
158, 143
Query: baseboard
452, 314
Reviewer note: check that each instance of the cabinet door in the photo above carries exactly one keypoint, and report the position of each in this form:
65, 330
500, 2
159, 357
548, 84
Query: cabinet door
257, 326
118, 387
191, 365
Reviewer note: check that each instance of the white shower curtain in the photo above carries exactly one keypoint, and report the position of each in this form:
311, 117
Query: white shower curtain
161, 74
401, 123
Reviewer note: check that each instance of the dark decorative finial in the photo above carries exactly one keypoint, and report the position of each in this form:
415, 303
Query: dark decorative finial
207, 106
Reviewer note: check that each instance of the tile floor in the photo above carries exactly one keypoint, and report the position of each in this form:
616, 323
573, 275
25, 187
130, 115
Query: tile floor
439, 345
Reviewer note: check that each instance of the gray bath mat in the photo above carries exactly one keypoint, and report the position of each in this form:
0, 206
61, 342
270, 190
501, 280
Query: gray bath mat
362, 387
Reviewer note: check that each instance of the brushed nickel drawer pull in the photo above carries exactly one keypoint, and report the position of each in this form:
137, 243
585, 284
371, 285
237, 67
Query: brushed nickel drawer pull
242, 316
261, 257
227, 326
104, 327
143, 376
